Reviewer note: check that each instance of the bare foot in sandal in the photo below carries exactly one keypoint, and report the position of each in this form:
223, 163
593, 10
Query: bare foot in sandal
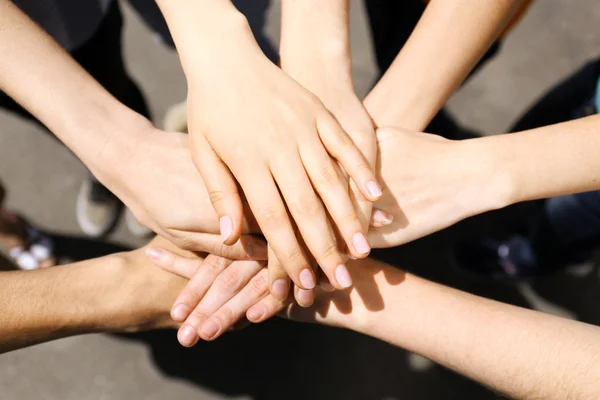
28, 247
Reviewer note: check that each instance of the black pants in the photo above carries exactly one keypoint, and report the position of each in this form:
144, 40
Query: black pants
102, 57
392, 22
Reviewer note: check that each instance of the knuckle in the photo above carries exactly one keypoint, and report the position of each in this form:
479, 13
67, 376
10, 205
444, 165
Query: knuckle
294, 256
218, 196
350, 218
185, 242
329, 251
216, 264
272, 218
221, 250
328, 175
193, 294
230, 281
307, 206
259, 285
198, 316
225, 316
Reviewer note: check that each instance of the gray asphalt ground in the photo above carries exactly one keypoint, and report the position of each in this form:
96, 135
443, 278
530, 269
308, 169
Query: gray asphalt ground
279, 360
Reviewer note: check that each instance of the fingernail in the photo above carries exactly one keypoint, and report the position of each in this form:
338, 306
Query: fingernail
359, 241
187, 336
155, 254
374, 189
380, 218
343, 276
307, 279
255, 314
304, 297
209, 329
179, 313
280, 289
226, 227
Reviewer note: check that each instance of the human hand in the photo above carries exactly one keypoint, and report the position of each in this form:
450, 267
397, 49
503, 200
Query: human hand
315, 52
280, 140
154, 176
438, 183
218, 294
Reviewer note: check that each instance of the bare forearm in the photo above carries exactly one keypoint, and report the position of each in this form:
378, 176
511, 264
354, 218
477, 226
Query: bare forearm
315, 43
522, 353
549, 161
45, 80
209, 35
449, 39
43, 305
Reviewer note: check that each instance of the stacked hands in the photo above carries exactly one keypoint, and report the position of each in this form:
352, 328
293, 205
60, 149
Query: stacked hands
304, 175
289, 154
231, 283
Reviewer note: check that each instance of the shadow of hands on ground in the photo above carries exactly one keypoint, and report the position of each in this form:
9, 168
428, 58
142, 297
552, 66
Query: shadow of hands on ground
287, 360
280, 359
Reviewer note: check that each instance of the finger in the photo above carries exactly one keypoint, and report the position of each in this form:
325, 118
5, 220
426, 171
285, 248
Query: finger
380, 218
342, 148
193, 293
272, 217
226, 316
227, 285
304, 298
170, 262
326, 178
279, 281
221, 187
311, 219
249, 247
266, 308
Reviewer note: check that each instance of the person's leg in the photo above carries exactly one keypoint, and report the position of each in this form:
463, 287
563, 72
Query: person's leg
98, 209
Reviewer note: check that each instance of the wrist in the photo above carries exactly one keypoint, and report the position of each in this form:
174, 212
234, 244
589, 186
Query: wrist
140, 295
497, 179
208, 34
119, 137
324, 64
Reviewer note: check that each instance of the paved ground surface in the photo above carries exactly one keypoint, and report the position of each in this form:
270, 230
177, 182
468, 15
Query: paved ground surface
43, 178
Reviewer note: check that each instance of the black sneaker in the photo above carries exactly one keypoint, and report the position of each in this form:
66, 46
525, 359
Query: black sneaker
510, 260
97, 209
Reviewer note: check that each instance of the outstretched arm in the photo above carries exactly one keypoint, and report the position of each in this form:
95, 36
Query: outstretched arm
522, 353
116, 293
445, 181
